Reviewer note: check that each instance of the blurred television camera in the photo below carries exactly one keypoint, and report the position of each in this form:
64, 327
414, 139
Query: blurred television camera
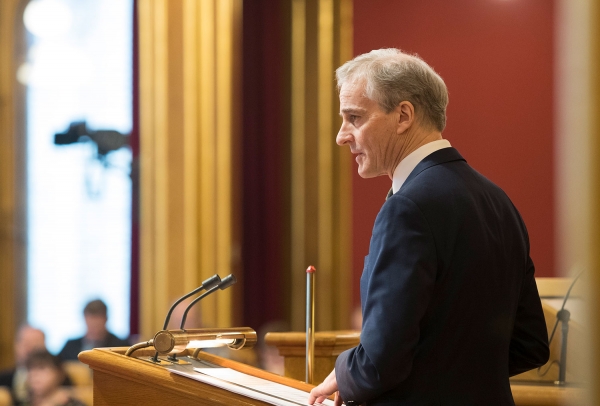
106, 140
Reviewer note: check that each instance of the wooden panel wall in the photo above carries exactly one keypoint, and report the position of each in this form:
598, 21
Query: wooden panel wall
320, 177
595, 193
578, 166
13, 309
189, 129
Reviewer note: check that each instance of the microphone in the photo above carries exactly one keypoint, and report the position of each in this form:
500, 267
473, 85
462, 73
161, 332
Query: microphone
210, 283
562, 316
222, 285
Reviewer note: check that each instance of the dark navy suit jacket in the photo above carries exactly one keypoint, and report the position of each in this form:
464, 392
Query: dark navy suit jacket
73, 347
450, 305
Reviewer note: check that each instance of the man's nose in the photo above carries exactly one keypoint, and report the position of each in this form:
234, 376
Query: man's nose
343, 136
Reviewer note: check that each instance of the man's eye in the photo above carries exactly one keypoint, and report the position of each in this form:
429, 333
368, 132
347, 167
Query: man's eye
353, 118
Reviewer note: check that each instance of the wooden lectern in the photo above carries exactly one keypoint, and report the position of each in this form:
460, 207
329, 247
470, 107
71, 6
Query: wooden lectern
121, 380
328, 345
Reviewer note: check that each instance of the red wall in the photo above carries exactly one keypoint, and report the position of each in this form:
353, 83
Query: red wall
496, 57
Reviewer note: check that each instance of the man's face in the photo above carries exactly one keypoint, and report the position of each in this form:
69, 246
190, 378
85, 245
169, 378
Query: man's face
28, 340
96, 326
42, 380
369, 131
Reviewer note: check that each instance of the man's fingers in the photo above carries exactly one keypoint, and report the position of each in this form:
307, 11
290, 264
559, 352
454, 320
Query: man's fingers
321, 392
316, 396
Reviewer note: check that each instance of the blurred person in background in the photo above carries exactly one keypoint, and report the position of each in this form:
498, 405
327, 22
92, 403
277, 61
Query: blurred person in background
28, 340
96, 336
193, 318
268, 355
45, 379
356, 320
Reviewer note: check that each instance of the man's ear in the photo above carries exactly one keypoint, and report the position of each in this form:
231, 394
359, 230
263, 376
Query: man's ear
406, 116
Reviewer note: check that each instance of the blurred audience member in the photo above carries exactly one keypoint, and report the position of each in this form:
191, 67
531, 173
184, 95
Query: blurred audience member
28, 340
45, 375
95, 314
193, 318
268, 356
356, 322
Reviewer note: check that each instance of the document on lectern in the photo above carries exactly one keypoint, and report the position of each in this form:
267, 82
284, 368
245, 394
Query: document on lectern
248, 385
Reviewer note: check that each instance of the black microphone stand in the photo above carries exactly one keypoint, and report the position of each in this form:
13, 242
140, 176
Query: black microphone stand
208, 284
563, 316
222, 285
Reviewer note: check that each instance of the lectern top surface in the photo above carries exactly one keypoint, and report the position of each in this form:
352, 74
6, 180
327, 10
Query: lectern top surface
243, 384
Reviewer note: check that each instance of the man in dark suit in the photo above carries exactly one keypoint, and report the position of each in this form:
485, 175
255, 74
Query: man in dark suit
450, 305
96, 336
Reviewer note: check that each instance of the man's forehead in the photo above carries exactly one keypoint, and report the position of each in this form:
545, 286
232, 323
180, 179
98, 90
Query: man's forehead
353, 97
353, 87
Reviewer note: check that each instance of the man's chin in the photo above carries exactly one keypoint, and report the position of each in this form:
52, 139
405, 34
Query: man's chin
366, 174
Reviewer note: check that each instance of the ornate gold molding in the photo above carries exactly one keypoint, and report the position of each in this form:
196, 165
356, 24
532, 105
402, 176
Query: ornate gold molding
321, 40
189, 68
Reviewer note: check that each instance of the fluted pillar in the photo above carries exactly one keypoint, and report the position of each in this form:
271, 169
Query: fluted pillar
320, 176
13, 272
13, 275
595, 199
189, 133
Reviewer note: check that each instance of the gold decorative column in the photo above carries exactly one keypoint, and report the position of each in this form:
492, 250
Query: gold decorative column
189, 133
594, 297
321, 40
12, 179
577, 149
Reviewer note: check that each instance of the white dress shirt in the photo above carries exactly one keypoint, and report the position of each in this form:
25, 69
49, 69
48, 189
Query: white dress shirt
406, 166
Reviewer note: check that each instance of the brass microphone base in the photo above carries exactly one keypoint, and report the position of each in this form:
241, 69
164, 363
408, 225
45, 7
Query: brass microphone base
179, 361
161, 361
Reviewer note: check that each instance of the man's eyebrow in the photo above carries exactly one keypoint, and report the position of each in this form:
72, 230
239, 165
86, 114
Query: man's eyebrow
352, 110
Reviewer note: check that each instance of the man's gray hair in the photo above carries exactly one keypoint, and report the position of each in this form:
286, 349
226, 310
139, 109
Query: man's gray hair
392, 76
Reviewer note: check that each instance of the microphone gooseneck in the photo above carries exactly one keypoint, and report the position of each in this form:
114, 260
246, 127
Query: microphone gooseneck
208, 284
562, 308
227, 281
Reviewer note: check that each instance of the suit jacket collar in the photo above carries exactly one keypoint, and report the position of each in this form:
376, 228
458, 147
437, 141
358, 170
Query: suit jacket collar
436, 158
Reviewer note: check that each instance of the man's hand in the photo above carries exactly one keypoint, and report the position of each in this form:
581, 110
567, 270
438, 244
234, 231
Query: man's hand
326, 388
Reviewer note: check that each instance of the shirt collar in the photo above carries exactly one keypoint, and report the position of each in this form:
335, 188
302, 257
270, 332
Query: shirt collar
406, 166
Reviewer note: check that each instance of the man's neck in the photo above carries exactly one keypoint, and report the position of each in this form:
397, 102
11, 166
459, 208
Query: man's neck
413, 140
97, 337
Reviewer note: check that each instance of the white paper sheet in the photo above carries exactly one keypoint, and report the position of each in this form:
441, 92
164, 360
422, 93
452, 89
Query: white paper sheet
250, 386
